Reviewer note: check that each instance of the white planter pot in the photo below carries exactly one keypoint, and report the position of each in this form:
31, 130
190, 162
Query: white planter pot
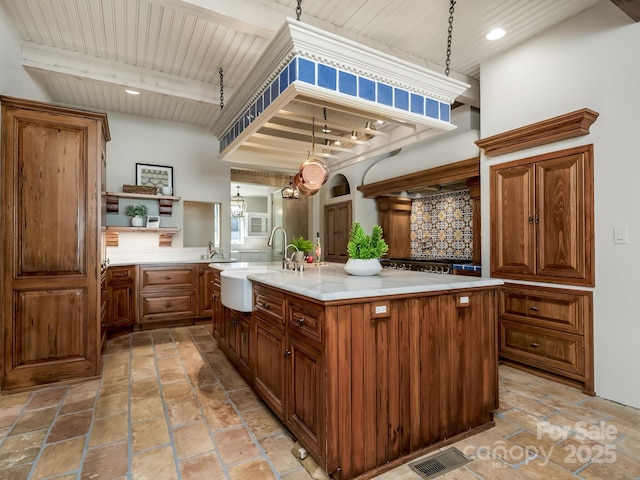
356, 266
137, 221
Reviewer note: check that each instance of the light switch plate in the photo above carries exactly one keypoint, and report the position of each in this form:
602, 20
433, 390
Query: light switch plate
620, 235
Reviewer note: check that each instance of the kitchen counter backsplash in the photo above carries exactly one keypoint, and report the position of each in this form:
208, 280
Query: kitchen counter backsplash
441, 226
192, 255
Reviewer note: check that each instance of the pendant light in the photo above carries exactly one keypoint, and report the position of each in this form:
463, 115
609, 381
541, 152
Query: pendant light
290, 192
238, 205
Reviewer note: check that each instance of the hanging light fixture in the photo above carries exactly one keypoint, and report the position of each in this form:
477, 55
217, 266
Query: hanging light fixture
238, 205
290, 192
325, 129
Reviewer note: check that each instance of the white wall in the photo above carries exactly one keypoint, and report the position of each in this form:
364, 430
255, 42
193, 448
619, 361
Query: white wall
588, 61
14, 80
190, 150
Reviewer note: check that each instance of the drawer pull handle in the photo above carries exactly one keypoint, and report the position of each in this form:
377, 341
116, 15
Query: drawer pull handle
535, 309
300, 321
535, 345
530, 218
287, 352
265, 305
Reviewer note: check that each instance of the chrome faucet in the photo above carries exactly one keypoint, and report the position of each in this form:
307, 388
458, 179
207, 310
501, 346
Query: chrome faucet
212, 250
285, 261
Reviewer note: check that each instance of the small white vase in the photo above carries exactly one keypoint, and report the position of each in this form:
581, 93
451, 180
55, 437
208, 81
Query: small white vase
356, 266
137, 221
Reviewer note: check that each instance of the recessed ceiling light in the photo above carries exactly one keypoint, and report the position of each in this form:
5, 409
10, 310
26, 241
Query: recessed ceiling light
496, 34
132, 92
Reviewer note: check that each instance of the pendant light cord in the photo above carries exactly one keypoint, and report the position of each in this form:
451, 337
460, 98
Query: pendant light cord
449, 35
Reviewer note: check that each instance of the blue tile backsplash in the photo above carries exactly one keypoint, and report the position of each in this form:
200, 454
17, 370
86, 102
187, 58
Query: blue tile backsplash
331, 78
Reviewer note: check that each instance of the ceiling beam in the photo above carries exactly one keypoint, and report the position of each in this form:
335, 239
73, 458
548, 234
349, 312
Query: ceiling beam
630, 7
63, 62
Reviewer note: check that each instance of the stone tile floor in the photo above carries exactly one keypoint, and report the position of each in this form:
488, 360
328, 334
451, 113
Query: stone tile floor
170, 406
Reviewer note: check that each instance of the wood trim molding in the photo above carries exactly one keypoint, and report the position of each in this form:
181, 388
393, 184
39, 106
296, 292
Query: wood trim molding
454, 172
630, 7
551, 130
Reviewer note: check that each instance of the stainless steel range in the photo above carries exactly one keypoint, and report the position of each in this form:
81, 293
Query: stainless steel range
442, 266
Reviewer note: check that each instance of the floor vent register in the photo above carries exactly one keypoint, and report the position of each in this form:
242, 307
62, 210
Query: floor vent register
440, 463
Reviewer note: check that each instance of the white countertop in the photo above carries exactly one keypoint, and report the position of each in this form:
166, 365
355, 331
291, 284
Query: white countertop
330, 281
139, 259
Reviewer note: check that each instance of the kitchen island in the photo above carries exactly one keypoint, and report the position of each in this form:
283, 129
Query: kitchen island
367, 372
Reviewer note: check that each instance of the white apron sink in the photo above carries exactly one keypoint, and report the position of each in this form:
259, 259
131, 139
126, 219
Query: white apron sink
236, 291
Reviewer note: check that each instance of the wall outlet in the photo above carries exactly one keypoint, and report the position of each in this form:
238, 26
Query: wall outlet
380, 309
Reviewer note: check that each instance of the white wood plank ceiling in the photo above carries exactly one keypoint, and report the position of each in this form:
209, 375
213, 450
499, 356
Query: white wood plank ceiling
86, 52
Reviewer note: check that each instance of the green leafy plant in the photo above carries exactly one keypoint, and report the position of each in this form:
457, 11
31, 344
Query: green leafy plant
137, 210
302, 244
365, 247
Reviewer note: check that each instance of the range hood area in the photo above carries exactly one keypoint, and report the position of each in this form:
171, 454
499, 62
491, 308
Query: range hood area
313, 86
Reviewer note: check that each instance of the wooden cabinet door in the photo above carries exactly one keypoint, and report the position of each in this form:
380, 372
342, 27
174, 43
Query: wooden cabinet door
50, 243
232, 334
244, 345
269, 364
205, 290
513, 218
561, 210
337, 226
121, 305
305, 399
217, 308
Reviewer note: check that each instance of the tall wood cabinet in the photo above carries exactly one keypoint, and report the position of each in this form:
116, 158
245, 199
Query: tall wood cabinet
542, 218
51, 242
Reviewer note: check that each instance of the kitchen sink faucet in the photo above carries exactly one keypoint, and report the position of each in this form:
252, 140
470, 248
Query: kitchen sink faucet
285, 261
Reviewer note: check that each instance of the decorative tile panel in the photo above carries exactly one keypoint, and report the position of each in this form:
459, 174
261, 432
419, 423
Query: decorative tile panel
441, 226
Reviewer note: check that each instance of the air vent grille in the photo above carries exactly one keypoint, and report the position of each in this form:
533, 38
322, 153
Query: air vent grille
440, 463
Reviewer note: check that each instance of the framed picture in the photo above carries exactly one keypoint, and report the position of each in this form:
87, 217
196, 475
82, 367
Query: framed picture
157, 176
153, 221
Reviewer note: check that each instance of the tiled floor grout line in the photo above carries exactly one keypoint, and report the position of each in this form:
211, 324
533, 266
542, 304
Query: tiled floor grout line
254, 439
36, 460
165, 409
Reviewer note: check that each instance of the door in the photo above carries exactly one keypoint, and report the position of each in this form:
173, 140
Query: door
269, 356
337, 227
205, 291
51, 244
561, 211
305, 402
513, 218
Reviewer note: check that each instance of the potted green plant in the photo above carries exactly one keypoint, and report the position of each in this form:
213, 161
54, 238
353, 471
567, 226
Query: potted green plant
137, 212
302, 246
365, 250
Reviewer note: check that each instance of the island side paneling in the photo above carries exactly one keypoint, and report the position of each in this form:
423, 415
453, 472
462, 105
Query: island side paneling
401, 382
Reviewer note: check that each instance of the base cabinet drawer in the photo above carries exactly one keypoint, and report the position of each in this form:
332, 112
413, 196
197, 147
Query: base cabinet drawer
544, 347
269, 302
558, 311
161, 306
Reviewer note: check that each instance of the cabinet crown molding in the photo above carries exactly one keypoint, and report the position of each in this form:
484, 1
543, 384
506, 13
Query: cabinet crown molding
554, 129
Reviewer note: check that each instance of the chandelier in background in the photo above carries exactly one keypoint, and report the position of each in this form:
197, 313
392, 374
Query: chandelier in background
238, 205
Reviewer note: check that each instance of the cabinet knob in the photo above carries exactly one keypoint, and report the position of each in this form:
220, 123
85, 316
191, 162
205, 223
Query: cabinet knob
265, 305
535, 309
535, 345
287, 352
300, 320
530, 218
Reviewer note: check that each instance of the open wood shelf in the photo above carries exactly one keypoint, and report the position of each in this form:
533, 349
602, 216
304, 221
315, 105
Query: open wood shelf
165, 233
166, 201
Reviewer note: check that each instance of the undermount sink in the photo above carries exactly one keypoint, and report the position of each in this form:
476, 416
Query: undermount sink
236, 291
